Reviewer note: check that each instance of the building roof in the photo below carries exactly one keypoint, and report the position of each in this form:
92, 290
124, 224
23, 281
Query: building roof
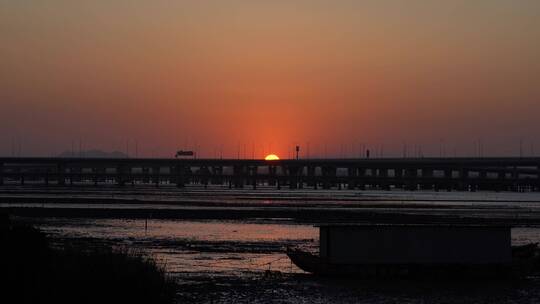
454, 225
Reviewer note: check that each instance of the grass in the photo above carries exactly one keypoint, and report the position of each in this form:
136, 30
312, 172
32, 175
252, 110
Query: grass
35, 272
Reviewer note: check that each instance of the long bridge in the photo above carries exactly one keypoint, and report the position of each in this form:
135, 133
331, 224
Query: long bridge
449, 174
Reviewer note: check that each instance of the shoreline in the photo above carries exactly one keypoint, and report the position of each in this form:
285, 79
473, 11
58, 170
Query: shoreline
300, 215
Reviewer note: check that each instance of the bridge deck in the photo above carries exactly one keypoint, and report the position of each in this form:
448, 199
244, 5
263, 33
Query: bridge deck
469, 174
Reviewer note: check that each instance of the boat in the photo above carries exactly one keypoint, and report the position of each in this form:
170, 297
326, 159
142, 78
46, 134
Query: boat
525, 261
417, 251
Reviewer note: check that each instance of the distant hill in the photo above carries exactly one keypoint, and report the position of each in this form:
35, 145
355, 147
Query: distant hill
93, 154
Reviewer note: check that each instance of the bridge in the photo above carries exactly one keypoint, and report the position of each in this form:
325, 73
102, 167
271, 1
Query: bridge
448, 174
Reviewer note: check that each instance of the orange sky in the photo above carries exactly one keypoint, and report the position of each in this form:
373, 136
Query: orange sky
221, 75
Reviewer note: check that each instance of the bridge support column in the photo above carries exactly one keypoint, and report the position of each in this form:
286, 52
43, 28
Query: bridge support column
311, 180
448, 180
272, 175
206, 176
398, 178
361, 181
217, 175
515, 179
120, 179
60, 174
501, 183
145, 175
352, 175
179, 174
411, 176
293, 175
96, 172
382, 179
483, 183
238, 171
156, 175
328, 175
464, 180
427, 179
538, 178
1, 174
253, 174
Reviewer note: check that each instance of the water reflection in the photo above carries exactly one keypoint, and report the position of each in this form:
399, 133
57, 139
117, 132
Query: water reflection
196, 246
210, 246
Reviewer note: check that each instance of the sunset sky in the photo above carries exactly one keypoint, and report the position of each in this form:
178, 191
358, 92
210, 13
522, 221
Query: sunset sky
263, 76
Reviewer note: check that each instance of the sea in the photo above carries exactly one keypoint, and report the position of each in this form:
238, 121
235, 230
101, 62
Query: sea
220, 260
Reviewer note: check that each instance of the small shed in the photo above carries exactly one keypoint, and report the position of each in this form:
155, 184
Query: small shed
415, 244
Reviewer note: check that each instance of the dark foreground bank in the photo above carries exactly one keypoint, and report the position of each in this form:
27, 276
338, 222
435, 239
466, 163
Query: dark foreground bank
34, 271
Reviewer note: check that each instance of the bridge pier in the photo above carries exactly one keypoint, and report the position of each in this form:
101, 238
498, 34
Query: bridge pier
272, 176
328, 176
253, 174
411, 175
398, 178
204, 174
70, 176
156, 175
238, 171
120, 175
145, 171
382, 178
501, 176
538, 178
95, 178
361, 178
352, 175
293, 174
464, 180
1, 173
60, 175
217, 175
483, 181
427, 179
179, 175
310, 180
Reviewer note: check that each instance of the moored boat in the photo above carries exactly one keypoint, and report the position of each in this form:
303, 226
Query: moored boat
420, 251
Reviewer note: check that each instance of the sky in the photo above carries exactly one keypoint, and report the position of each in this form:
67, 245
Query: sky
243, 78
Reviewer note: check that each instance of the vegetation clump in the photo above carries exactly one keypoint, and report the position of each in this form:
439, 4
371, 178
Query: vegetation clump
36, 272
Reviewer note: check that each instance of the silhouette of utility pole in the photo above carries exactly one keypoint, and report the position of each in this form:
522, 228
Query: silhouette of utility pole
297, 151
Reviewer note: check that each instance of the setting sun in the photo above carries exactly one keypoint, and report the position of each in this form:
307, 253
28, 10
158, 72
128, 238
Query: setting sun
271, 157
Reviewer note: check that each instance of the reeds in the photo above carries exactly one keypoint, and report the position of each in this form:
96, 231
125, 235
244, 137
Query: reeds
37, 273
